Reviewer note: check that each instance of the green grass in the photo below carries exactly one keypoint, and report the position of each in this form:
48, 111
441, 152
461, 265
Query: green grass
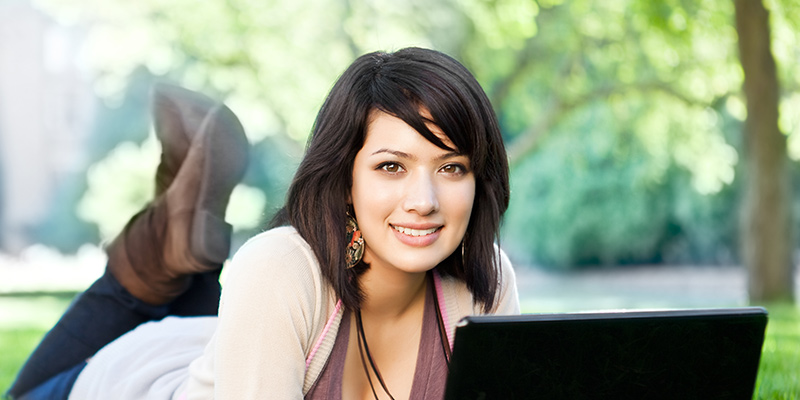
15, 345
24, 320
779, 372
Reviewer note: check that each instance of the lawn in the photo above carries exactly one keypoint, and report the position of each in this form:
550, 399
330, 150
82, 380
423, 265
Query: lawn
778, 376
24, 320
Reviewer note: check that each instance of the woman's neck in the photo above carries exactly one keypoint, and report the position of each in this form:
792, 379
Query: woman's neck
391, 294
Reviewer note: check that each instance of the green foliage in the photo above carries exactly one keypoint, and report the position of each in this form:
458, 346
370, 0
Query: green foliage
621, 117
622, 126
620, 182
587, 199
109, 204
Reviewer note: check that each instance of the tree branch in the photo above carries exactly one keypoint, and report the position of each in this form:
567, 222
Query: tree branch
558, 108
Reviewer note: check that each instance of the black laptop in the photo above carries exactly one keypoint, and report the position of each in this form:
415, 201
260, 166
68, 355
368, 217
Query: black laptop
675, 354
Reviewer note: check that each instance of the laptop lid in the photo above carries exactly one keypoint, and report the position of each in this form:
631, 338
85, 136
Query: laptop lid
675, 354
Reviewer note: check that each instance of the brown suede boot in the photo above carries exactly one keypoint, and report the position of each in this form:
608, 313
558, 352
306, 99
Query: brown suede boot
183, 231
177, 115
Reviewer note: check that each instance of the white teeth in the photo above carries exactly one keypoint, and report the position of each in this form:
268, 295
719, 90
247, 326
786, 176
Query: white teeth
414, 232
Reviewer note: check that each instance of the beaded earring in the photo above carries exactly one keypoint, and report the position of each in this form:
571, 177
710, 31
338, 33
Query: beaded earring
355, 243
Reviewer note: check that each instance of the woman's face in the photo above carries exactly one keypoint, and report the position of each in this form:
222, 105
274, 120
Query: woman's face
412, 199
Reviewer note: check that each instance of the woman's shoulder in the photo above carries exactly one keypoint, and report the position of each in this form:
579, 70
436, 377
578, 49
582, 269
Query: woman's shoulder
506, 271
508, 278
274, 244
508, 295
282, 239
280, 254
507, 299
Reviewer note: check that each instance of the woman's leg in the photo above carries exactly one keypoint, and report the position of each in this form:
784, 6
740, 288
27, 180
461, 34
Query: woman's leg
201, 299
96, 317
56, 388
183, 231
80, 332
167, 259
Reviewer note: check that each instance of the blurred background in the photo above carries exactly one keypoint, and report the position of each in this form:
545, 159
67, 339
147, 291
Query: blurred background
653, 145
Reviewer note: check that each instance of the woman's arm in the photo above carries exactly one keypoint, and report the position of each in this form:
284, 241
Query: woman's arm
271, 301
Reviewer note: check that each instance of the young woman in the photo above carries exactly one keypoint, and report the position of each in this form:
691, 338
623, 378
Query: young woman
387, 239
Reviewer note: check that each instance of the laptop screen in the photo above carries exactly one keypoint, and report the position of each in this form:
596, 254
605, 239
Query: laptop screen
675, 354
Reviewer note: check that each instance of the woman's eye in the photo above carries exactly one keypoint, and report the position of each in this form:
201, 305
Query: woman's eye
453, 169
391, 168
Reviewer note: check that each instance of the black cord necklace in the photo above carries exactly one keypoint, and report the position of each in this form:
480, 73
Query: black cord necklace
362, 338
364, 348
442, 330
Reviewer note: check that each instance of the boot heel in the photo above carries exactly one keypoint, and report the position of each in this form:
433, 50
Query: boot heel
211, 237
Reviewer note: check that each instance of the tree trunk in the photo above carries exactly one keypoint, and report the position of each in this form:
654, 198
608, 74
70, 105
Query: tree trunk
766, 208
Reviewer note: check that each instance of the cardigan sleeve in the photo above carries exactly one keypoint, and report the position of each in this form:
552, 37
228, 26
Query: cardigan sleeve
270, 300
508, 303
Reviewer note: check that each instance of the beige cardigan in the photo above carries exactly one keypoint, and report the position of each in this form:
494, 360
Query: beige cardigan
277, 323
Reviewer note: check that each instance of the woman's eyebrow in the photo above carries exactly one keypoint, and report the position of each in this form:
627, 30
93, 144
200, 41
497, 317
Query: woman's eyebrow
448, 155
402, 154
397, 153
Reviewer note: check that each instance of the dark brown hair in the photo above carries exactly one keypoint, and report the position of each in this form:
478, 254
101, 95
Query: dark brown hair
400, 84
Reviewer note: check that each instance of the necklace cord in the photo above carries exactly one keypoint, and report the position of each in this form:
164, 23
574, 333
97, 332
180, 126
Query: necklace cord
442, 332
364, 363
363, 338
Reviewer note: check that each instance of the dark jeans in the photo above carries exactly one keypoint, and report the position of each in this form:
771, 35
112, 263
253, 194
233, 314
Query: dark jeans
95, 318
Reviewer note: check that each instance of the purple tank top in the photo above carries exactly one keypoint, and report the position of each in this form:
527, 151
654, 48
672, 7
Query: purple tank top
430, 374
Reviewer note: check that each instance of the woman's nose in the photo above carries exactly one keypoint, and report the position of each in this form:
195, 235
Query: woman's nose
420, 196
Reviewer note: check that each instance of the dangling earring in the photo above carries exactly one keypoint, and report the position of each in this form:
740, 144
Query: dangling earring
355, 243
464, 251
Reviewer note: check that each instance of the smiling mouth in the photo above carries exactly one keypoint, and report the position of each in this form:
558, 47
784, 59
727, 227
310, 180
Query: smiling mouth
415, 232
